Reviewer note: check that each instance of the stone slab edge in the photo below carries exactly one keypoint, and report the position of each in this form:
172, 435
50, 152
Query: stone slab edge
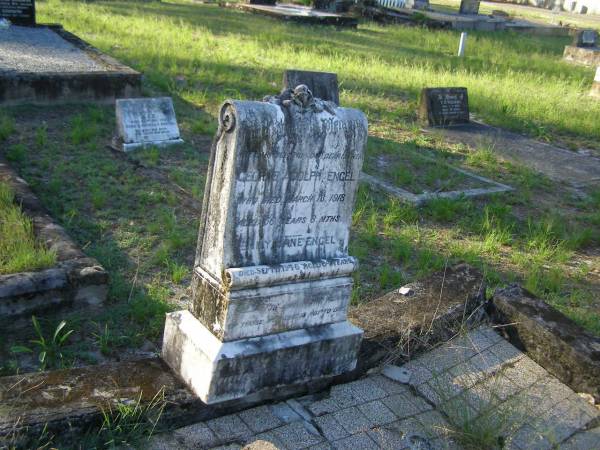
76, 277
550, 338
118, 80
323, 19
419, 199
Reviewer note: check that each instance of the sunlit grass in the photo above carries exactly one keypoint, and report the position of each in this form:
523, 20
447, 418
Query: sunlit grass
204, 54
19, 250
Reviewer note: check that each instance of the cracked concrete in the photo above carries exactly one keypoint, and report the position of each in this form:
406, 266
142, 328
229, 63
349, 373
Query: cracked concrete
477, 383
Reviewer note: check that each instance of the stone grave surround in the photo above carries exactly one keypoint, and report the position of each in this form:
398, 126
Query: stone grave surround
19, 12
272, 278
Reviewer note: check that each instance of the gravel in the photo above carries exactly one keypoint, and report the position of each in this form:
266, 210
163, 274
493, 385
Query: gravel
25, 49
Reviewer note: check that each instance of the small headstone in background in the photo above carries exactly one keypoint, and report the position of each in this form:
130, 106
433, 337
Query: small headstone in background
444, 106
323, 85
417, 4
145, 122
18, 12
469, 7
586, 39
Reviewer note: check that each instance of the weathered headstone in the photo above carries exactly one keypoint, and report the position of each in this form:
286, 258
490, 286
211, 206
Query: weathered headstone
444, 106
586, 39
272, 277
323, 85
469, 7
144, 122
19, 12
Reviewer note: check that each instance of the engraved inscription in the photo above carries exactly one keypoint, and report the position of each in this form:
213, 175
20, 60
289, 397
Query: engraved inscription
18, 11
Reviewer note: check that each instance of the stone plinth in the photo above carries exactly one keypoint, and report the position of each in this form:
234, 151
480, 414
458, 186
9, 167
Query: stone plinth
272, 277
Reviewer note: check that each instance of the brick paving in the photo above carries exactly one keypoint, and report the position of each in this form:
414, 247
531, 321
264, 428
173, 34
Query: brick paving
477, 385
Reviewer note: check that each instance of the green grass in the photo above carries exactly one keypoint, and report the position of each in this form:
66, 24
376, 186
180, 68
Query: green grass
515, 81
138, 213
19, 249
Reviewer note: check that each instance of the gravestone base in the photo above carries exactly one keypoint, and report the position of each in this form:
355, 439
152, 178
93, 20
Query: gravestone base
595, 92
582, 55
219, 371
121, 146
233, 314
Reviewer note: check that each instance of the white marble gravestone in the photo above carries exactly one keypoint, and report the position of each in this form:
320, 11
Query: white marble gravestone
272, 277
144, 122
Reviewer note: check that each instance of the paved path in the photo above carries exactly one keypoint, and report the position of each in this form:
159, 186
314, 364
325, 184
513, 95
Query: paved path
477, 384
557, 163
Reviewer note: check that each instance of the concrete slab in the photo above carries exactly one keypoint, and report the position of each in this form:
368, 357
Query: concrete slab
46, 64
556, 163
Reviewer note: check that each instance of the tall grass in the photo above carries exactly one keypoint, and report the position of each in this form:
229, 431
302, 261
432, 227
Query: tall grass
19, 251
514, 80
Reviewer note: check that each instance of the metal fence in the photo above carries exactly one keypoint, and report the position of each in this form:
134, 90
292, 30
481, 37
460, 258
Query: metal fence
391, 3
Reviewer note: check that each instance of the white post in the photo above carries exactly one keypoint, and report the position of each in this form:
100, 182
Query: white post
462, 44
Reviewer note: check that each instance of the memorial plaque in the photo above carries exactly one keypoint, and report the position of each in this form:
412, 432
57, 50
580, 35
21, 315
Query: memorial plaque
444, 106
144, 122
19, 12
323, 85
469, 7
586, 39
272, 264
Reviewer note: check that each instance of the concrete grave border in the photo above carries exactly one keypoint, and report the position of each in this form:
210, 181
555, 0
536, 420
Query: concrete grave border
66, 402
117, 81
550, 338
419, 199
75, 280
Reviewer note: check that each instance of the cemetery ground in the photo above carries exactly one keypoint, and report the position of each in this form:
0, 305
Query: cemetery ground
521, 11
138, 213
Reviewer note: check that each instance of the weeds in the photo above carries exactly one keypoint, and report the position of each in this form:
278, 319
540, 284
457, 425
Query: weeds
50, 350
19, 250
7, 126
128, 423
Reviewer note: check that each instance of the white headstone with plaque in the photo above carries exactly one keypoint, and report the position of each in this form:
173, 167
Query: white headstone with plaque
145, 122
272, 278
